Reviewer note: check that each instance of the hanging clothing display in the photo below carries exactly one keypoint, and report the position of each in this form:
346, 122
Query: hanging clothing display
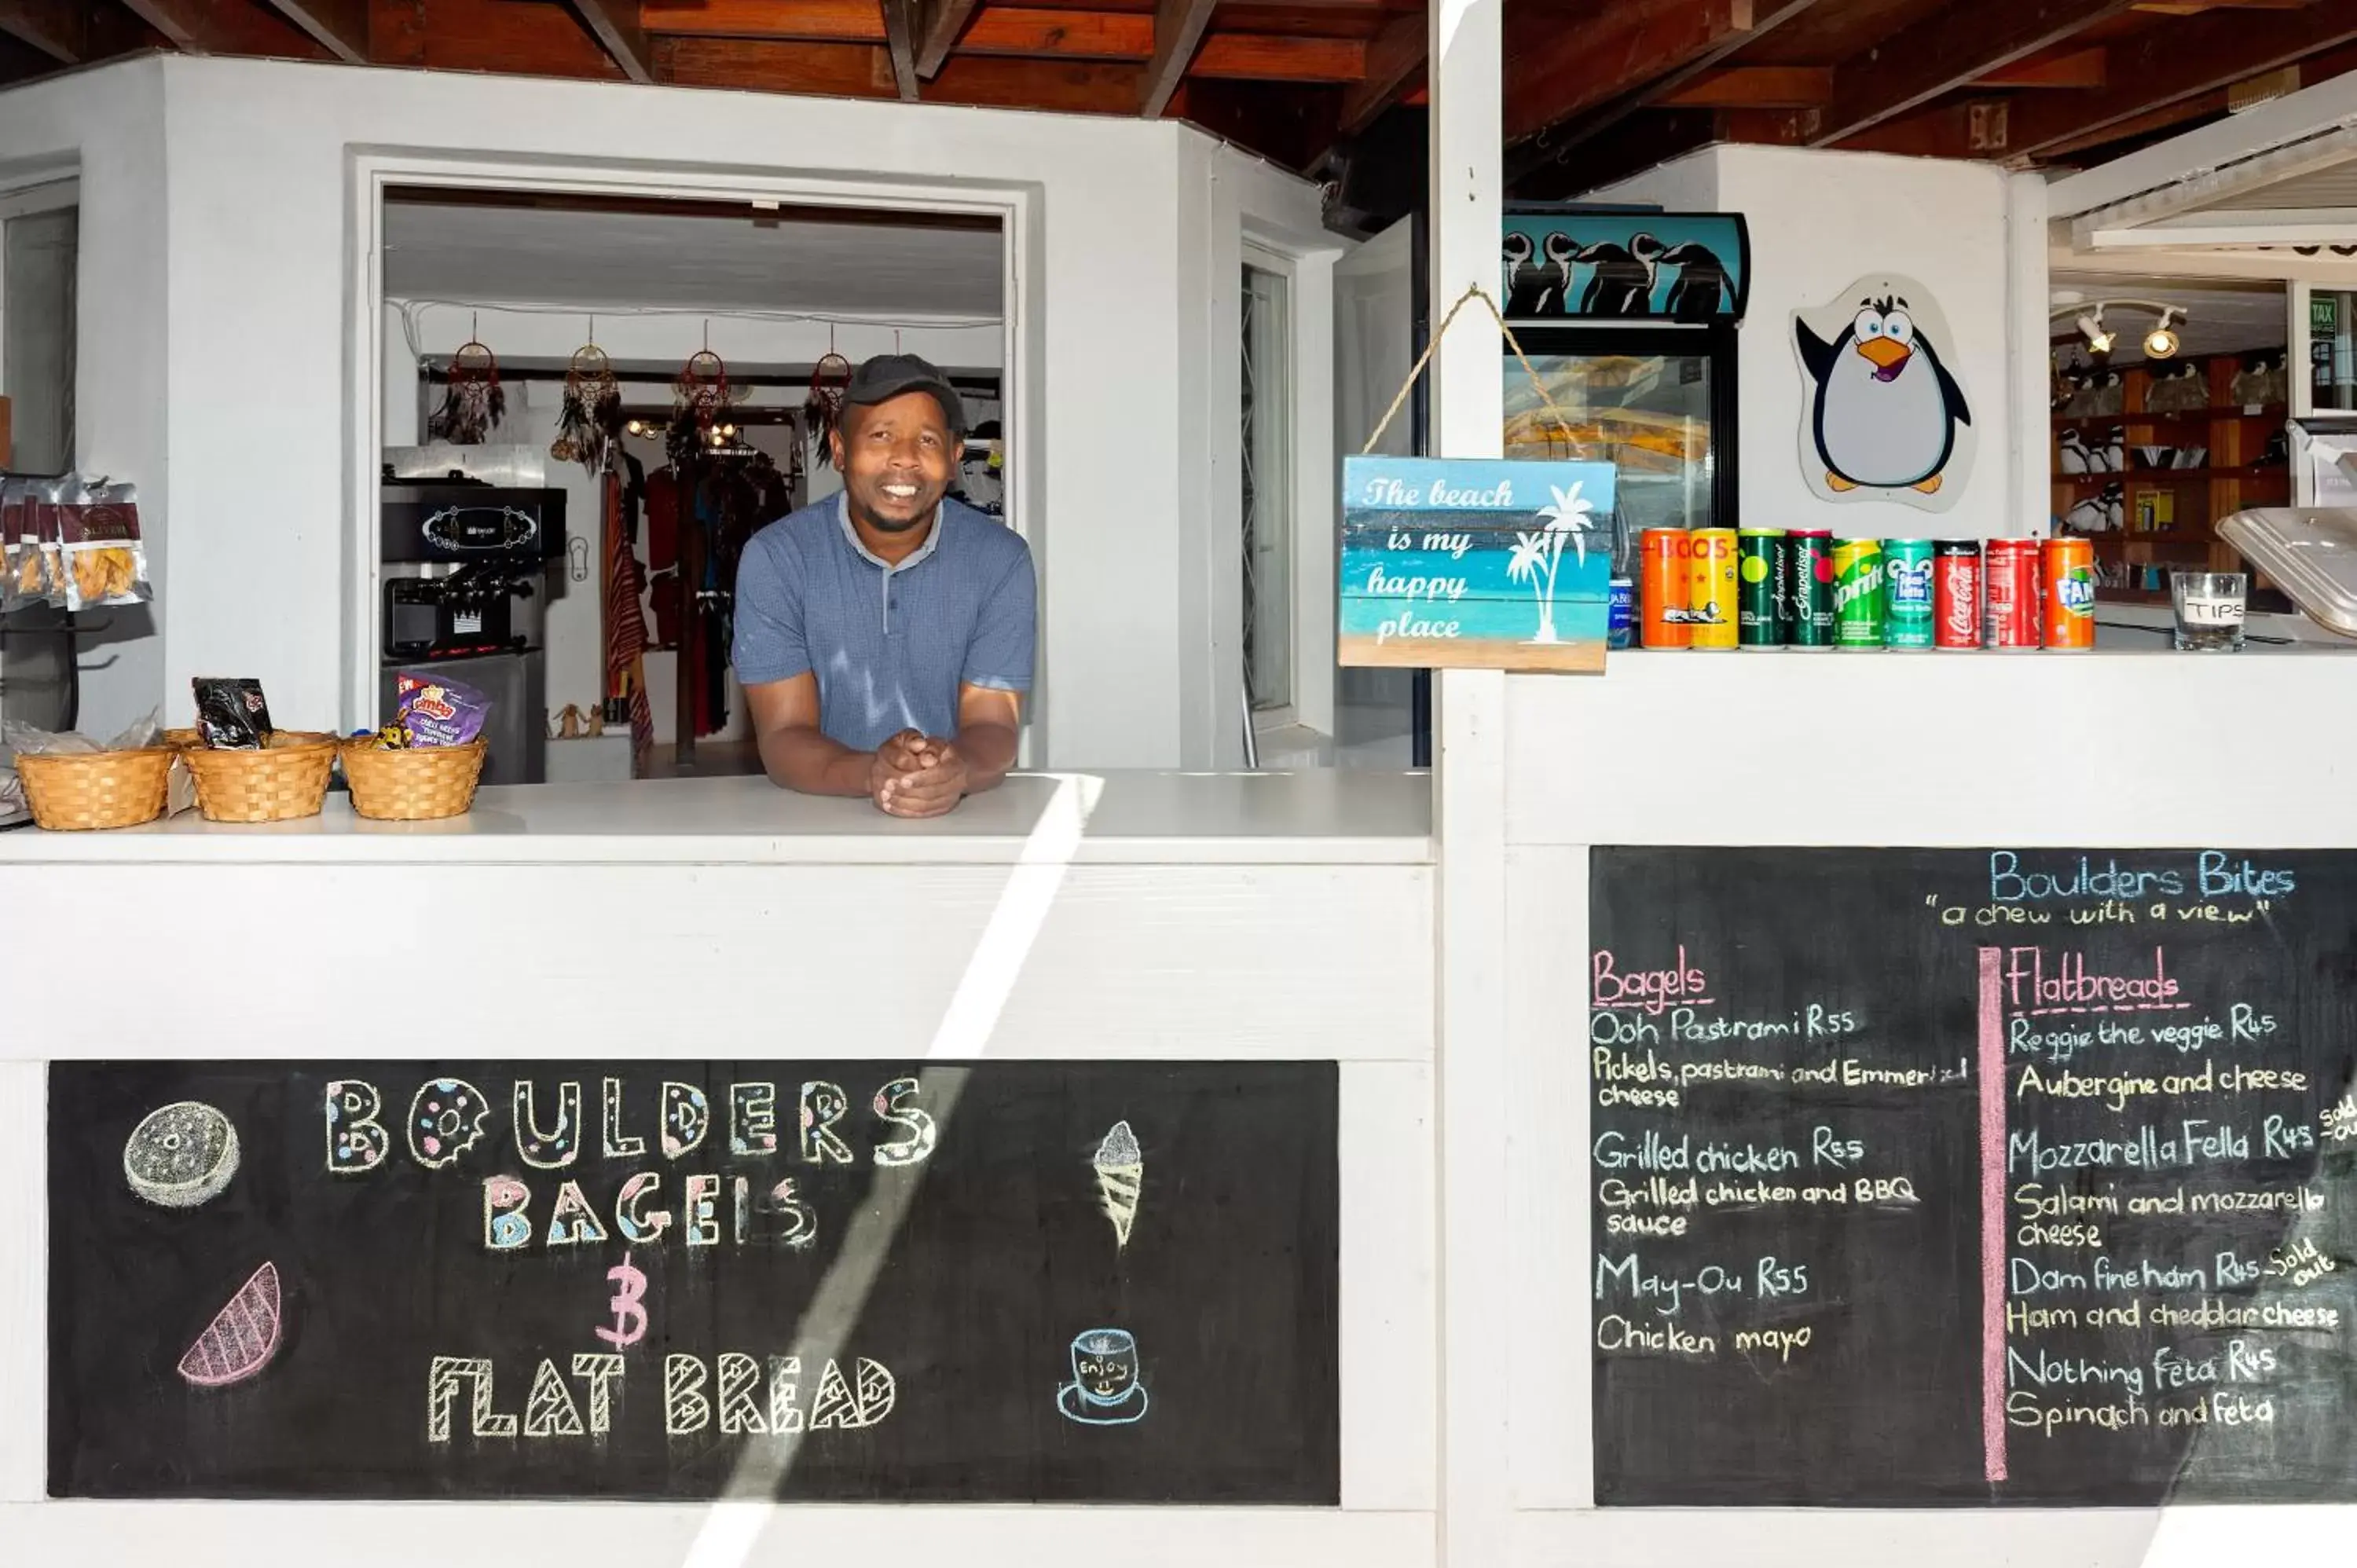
626, 626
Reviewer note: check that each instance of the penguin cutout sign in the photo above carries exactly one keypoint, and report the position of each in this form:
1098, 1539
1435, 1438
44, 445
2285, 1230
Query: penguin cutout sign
1884, 415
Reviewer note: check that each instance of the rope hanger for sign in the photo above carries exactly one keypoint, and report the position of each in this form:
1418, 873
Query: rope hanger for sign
1472, 293
473, 403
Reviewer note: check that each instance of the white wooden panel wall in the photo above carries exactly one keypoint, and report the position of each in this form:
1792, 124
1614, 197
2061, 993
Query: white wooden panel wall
1088, 961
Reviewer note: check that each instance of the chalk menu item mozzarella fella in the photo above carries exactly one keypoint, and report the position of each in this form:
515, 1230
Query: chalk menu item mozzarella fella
2013, 1176
543, 1279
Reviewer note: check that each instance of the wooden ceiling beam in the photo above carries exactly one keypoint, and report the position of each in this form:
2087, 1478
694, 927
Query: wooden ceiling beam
900, 27
1756, 87
1572, 83
822, 70
944, 20
1078, 34
1178, 27
2180, 60
1394, 64
832, 21
58, 29
2081, 68
615, 25
342, 26
1947, 50
227, 27
1265, 57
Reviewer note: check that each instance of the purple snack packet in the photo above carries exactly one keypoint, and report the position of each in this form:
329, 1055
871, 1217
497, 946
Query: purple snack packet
435, 711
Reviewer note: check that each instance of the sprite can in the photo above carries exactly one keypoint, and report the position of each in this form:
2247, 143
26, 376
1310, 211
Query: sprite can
1759, 593
1907, 593
1857, 594
1805, 576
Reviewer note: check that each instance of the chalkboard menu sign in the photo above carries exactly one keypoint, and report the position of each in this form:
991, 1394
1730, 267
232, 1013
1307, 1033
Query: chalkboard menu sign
1001, 1282
2002, 1176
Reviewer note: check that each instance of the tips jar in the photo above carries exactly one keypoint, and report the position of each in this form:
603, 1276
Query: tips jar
1956, 594
1666, 563
1711, 607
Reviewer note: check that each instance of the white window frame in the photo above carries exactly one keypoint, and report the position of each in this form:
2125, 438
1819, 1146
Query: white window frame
1021, 232
1285, 493
45, 192
1307, 266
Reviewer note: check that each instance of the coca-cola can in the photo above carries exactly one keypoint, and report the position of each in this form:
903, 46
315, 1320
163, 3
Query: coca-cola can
1956, 594
2009, 586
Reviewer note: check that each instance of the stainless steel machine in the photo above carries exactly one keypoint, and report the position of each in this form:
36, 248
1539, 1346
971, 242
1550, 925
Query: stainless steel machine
465, 553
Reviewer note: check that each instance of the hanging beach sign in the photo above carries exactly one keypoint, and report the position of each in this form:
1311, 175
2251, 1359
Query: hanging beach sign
1486, 565
1475, 564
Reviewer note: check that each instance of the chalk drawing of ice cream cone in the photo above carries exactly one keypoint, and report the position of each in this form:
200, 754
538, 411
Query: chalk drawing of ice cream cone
1121, 1174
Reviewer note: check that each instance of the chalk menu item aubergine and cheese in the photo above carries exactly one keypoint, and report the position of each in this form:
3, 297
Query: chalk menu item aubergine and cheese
846, 1280
2010, 1176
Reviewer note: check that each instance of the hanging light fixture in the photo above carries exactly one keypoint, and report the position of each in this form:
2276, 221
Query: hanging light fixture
2162, 342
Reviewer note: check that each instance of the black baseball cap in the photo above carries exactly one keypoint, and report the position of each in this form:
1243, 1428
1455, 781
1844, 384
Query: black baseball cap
888, 376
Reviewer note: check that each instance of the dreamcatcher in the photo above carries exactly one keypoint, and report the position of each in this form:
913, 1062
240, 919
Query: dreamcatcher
698, 397
591, 410
830, 384
472, 401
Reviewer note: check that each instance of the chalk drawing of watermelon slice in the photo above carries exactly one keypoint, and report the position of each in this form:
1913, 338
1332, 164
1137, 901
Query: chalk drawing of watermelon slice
241, 1338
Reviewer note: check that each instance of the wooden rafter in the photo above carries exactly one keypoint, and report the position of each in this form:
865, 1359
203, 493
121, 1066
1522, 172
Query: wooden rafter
1394, 63
2080, 68
900, 26
58, 28
1178, 27
840, 21
2178, 62
226, 26
342, 26
615, 25
943, 22
1756, 87
1947, 50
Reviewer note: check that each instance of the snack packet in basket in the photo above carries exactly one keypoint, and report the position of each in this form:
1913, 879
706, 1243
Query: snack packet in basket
434, 711
231, 714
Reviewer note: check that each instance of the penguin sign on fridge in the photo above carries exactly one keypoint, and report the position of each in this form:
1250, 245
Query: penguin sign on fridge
1886, 418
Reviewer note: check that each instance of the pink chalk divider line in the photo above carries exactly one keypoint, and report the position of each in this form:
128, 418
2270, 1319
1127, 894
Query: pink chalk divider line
1992, 1064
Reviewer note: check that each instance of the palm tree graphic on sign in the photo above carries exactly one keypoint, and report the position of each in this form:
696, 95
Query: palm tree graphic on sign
1538, 556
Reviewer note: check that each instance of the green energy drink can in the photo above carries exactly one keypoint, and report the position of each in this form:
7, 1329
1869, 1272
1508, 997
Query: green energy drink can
1759, 594
1907, 619
1857, 594
1805, 574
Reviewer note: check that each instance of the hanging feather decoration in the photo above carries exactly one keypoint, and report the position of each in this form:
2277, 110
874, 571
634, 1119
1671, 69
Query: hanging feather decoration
473, 403
823, 411
588, 412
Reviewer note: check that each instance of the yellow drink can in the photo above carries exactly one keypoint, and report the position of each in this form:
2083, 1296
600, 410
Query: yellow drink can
1713, 597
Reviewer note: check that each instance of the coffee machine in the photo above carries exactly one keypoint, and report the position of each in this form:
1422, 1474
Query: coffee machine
466, 586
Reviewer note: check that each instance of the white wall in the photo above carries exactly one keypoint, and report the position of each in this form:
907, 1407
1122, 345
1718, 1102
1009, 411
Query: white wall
1819, 220
260, 218
108, 126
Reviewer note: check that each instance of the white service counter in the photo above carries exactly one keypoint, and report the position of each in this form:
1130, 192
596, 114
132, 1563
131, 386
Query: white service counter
1082, 918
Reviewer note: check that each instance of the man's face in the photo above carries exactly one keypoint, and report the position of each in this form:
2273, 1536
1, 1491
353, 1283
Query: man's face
896, 459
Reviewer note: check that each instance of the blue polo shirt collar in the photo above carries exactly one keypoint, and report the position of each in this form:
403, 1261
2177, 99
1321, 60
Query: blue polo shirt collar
851, 536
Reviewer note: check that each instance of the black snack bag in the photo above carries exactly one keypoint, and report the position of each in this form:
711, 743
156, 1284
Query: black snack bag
232, 714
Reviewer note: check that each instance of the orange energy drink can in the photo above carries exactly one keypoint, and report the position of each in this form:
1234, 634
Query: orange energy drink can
1665, 559
1713, 606
2067, 582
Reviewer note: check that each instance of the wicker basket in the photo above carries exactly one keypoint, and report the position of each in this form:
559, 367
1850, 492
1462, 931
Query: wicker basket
287, 780
74, 790
413, 785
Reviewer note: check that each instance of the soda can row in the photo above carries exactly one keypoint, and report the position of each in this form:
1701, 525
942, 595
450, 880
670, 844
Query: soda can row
1716, 588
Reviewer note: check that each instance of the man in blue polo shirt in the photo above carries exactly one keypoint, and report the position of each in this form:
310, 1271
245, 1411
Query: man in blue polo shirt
885, 636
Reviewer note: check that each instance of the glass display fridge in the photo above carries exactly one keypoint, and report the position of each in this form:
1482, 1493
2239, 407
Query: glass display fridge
1629, 319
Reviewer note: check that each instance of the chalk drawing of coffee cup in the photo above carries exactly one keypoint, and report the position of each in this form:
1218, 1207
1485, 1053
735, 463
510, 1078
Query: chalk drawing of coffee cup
1104, 1389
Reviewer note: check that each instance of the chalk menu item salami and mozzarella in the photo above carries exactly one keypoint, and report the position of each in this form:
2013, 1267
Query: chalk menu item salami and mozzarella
837, 1281
1991, 1176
